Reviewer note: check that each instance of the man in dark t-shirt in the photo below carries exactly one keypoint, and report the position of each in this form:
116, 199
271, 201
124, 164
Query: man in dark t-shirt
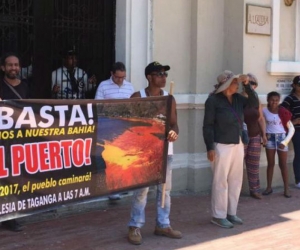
11, 87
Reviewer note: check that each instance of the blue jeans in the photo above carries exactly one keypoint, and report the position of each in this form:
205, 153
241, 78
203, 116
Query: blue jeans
274, 141
296, 162
137, 215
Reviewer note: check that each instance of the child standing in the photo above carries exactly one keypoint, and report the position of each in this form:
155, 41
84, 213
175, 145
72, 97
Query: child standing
275, 134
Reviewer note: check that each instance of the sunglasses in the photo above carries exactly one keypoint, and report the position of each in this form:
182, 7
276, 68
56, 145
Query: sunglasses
253, 83
160, 74
297, 84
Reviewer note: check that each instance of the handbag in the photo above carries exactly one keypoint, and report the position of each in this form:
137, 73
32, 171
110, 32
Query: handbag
245, 136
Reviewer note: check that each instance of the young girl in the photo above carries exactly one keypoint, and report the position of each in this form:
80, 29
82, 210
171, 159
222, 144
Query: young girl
275, 134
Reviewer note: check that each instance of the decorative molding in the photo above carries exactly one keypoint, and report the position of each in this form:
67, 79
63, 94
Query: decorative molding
197, 101
283, 68
190, 101
194, 161
199, 160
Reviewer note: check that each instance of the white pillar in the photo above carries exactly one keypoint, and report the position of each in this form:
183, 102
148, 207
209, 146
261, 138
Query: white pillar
275, 30
134, 45
297, 32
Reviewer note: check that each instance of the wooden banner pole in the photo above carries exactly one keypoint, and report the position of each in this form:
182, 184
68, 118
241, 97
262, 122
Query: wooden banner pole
163, 193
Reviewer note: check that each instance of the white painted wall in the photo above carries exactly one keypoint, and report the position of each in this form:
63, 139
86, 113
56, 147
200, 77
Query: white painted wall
257, 52
278, 50
208, 45
188, 35
172, 40
287, 32
233, 35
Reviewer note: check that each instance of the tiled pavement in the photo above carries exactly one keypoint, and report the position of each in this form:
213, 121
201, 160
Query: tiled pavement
270, 223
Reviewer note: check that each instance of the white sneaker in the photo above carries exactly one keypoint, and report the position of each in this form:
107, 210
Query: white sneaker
297, 185
114, 197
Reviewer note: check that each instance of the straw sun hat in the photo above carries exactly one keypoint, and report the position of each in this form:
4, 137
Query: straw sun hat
224, 80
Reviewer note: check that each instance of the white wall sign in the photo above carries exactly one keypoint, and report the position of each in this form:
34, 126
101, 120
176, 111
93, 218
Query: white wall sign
258, 19
284, 85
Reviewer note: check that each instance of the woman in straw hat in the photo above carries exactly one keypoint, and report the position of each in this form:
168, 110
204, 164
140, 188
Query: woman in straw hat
222, 132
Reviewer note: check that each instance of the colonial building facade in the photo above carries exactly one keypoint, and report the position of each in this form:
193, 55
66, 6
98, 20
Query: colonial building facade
199, 39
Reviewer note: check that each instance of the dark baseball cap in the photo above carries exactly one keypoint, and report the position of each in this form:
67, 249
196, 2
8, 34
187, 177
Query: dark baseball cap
155, 67
69, 52
296, 80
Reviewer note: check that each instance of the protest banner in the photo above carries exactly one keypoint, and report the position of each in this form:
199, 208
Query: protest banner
54, 152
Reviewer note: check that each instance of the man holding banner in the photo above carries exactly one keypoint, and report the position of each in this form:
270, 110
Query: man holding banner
12, 88
156, 75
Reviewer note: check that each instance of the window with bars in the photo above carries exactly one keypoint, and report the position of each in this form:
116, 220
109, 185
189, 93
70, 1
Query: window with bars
42, 31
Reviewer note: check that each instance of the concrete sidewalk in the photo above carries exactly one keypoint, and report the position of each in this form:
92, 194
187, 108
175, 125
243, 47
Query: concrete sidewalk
270, 223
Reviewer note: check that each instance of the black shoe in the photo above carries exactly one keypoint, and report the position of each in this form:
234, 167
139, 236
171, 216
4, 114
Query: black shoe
12, 225
287, 194
268, 192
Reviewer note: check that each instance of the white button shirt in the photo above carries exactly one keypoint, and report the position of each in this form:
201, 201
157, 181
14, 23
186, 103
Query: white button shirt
110, 90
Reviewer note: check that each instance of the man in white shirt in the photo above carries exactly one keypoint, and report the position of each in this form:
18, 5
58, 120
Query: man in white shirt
69, 81
116, 87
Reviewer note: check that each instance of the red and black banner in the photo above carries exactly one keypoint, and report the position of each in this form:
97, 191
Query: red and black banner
53, 152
